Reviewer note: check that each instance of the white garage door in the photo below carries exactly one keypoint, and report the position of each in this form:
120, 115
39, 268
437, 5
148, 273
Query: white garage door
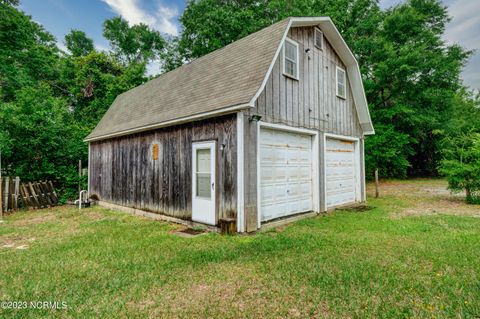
285, 173
341, 163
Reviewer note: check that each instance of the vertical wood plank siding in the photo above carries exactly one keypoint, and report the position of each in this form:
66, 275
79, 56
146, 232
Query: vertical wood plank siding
123, 172
310, 102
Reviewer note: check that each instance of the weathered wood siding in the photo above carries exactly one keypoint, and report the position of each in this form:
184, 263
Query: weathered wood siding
311, 101
123, 172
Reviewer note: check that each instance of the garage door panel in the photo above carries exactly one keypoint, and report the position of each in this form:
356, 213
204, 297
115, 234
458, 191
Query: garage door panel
285, 173
340, 172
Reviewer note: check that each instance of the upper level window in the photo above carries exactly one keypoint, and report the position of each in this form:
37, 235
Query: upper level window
318, 38
290, 58
341, 83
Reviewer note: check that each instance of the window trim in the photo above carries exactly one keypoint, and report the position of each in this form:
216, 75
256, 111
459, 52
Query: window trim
344, 84
315, 38
297, 63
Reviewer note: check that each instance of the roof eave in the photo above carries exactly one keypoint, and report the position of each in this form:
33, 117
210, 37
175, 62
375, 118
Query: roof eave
182, 120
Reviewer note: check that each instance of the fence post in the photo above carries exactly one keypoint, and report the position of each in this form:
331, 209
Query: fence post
376, 184
79, 176
17, 189
1, 198
6, 191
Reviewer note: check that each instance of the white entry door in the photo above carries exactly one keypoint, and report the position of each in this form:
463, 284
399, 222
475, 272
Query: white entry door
285, 173
341, 172
203, 182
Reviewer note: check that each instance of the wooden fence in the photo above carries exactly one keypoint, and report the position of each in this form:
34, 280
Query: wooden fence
15, 195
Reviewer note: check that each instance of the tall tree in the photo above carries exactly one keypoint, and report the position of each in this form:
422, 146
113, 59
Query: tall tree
50, 101
94, 81
414, 76
137, 43
78, 43
28, 53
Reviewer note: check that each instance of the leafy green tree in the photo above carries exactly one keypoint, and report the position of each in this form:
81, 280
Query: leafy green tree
78, 43
94, 81
137, 43
414, 78
461, 146
465, 115
461, 165
50, 101
10, 2
42, 143
28, 54
171, 55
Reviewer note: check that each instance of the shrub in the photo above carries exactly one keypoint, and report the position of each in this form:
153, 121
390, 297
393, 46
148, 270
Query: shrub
461, 165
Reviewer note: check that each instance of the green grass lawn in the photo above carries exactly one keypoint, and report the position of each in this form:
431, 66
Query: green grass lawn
375, 264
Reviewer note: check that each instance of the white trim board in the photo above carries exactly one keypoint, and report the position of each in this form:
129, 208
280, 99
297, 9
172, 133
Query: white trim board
315, 163
88, 171
240, 173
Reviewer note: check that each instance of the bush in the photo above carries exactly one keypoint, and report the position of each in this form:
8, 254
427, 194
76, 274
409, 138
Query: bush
461, 165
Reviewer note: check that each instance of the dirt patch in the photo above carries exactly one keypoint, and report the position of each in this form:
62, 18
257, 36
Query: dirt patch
16, 242
46, 224
35, 218
193, 232
358, 209
425, 197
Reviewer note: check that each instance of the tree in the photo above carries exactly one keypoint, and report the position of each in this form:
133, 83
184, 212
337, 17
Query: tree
28, 53
94, 81
78, 43
461, 146
461, 165
42, 143
171, 56
414, 76
50, 101
137, 43
12, 3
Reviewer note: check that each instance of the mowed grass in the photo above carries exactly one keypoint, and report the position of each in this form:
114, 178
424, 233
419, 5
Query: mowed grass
346, 264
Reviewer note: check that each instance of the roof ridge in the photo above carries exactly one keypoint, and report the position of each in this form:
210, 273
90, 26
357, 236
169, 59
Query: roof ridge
199, 59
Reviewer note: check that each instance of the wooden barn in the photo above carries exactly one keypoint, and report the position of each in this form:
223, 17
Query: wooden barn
266, 128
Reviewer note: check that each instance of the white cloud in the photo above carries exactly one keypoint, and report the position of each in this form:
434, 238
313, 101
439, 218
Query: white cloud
464, 29
165, 22
465, 25
163, 19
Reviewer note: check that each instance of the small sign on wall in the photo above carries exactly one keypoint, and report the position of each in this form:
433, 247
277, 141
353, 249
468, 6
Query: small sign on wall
155, 152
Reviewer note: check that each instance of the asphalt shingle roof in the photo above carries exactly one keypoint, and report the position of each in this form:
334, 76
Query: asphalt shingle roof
226, 77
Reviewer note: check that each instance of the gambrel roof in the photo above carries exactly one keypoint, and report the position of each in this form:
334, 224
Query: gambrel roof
224, 81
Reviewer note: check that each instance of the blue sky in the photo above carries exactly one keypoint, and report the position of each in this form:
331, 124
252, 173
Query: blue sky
59, 16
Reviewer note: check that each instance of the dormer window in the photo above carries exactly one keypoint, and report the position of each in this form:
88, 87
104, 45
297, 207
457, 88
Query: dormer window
341, 83
290, 58
318, 39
